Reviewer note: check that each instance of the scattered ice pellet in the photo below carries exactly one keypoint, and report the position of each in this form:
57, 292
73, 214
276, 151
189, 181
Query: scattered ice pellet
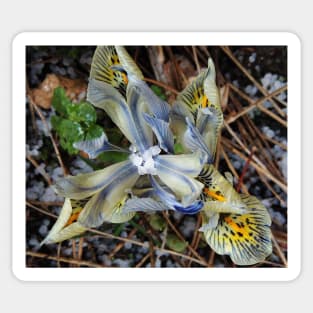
188, 227
128, 245
33, 242
158, 263
49, 195
252, 57
121, 263
43, 230
251, 90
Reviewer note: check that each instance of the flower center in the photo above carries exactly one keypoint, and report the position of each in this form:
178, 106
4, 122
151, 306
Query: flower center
145, 161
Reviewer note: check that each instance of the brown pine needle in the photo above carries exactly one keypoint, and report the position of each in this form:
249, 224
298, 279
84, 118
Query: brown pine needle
40, 170
62, 259
255, 82
244, 170
160, 84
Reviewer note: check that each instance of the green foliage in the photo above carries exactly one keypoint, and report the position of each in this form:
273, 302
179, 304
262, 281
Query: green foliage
176, 244
158, 91
73, 122
157, 222
113, 157
178, 148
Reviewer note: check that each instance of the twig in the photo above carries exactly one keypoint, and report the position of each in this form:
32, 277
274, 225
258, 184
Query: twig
258, 85
160, 84
143, 260
196, 237
282, 202
40, 210
119, 246
39, 169
38, 111
263, 170
179, 235
233, 134
151, 253
232, 169
80, 248
253, 104
74, 249
97, 232
62, 259
46, 203
211, 259
244, 170
59, 254
278, 249
195, 57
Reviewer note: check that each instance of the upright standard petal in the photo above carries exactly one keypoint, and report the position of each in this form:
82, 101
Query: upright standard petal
246, 238
103, 205
85, 185
105, 97
201, 98
194, 141
210, 118
139, 107
178, 124
162, 131
158, 107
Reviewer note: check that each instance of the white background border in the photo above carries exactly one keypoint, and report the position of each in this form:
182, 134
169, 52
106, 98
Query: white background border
191, 38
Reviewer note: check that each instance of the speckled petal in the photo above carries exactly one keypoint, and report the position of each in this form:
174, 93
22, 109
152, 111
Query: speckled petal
245, 238
128, 63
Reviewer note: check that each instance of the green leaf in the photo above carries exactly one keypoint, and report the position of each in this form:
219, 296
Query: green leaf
94, 131
113, 157
176, 244
75, 122
157, 222
178, 148
70, 132
158, 91
55, 122
82, 112
60, 102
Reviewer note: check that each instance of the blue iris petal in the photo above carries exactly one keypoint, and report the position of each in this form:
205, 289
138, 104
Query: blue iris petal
194, 141
96, 146
162, 131
170, 200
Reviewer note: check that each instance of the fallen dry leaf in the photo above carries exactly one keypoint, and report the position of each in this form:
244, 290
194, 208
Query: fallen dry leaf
75, 89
